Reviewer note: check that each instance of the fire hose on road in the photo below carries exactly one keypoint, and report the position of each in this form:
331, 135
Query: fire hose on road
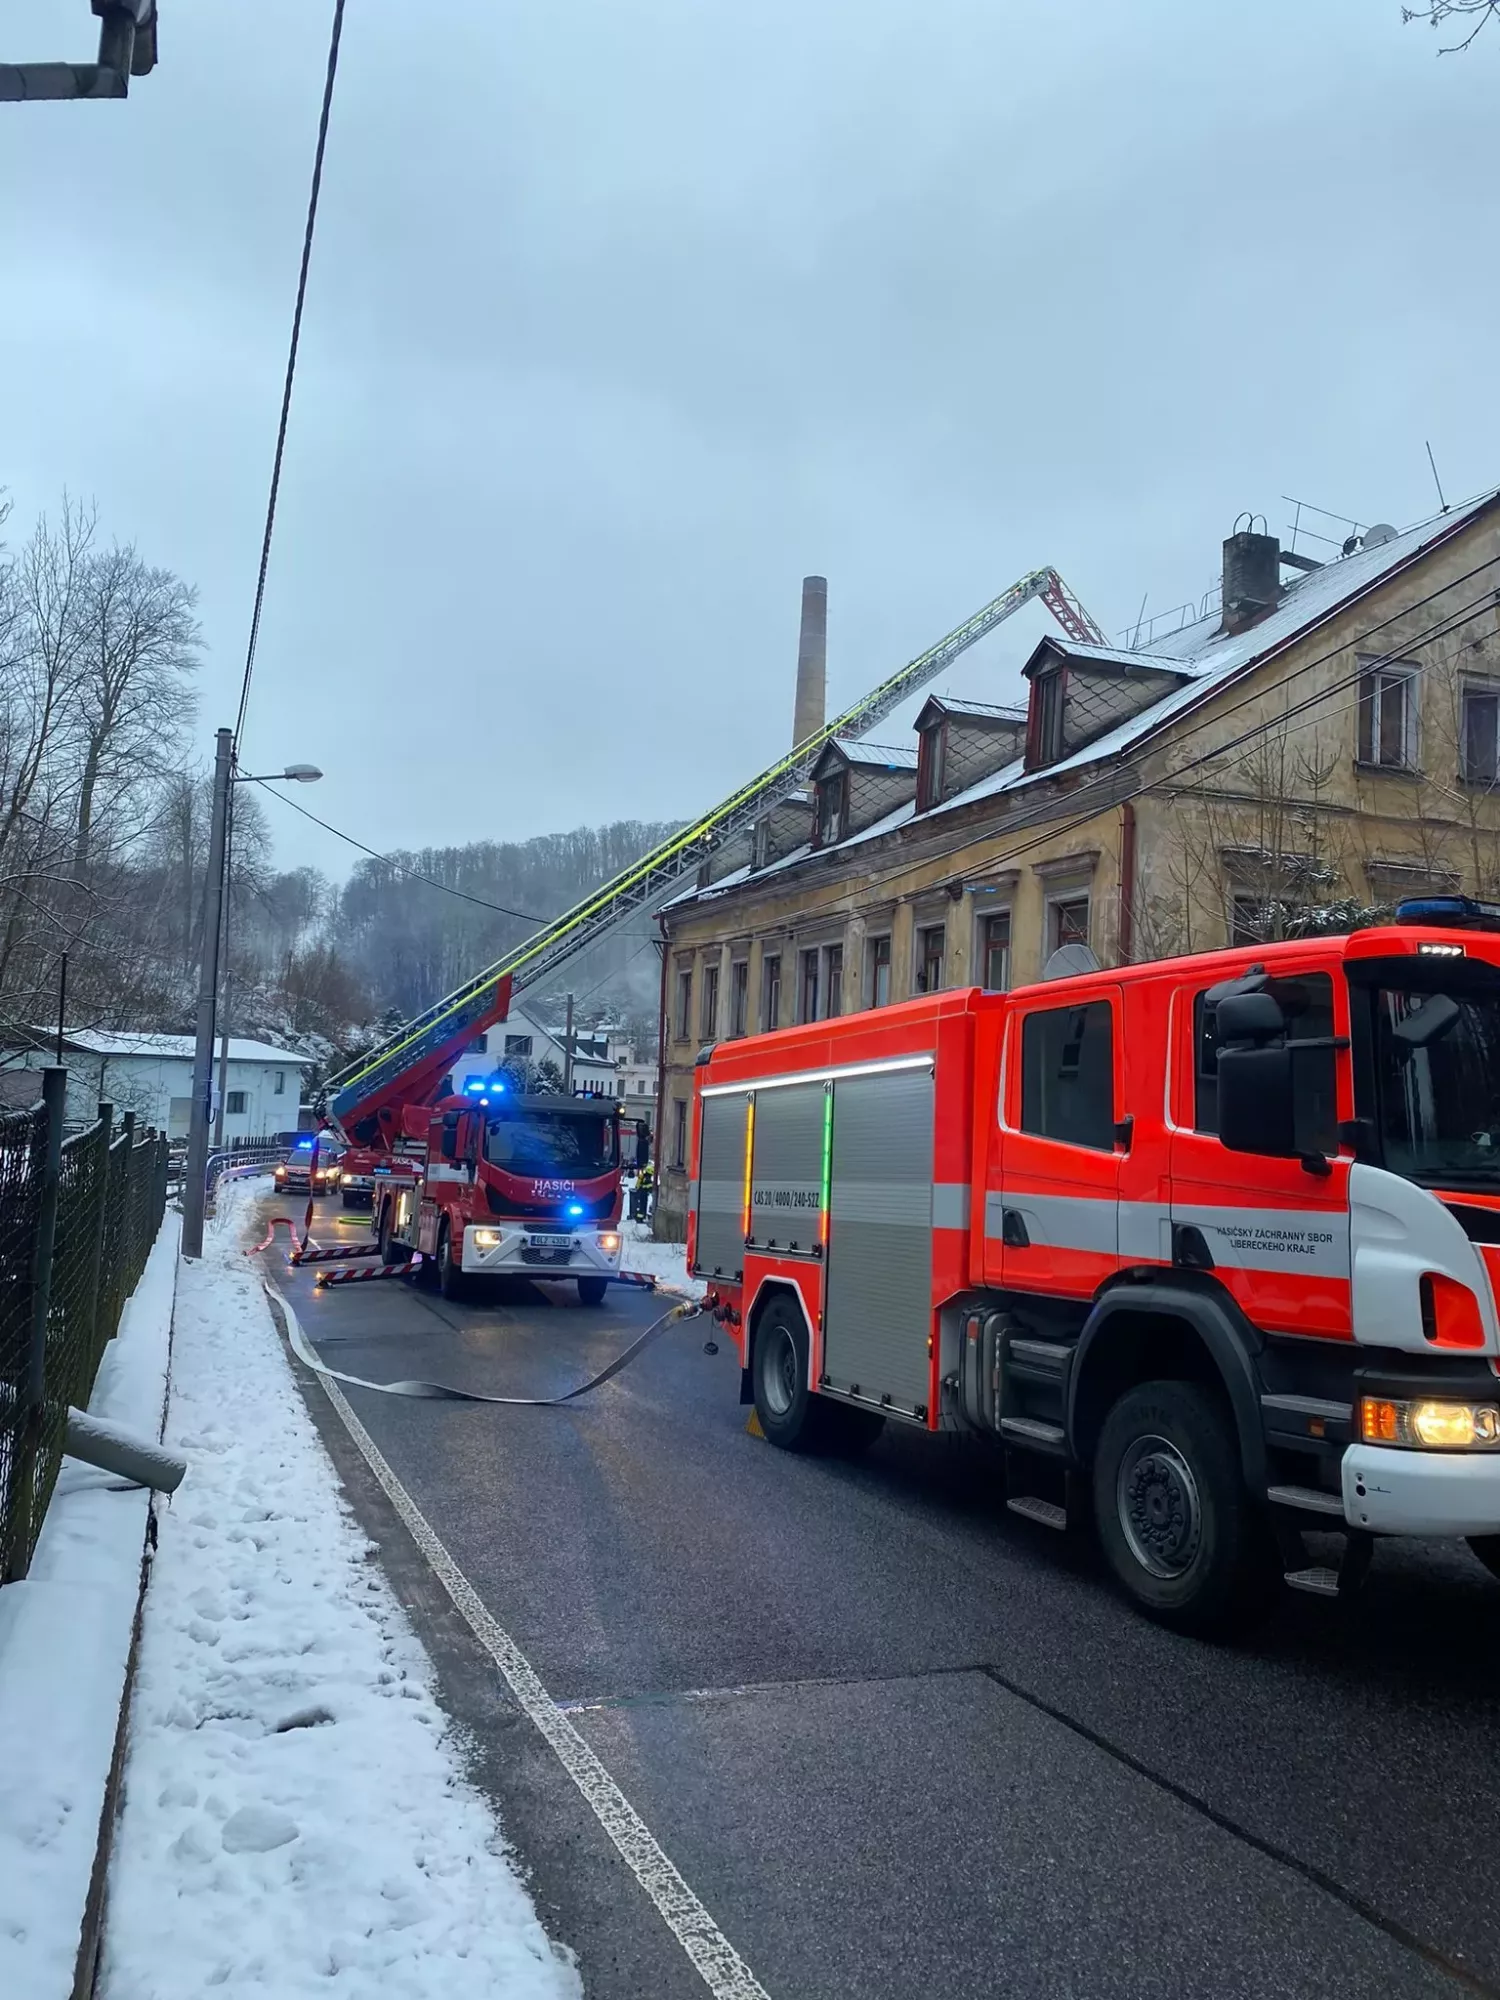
445, 1392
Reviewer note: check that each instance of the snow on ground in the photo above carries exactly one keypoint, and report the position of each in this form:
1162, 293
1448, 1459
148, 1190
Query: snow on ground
296, 1816
666, 1262
64, 1645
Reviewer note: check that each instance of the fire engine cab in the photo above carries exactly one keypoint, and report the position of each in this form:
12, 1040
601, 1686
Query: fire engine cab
1210, 1246
512, 1186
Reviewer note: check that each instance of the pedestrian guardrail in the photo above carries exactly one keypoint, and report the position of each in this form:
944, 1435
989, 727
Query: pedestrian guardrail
253, 1155
78, 1217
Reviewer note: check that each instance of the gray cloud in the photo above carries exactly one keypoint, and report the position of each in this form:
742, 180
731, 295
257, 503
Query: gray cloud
625, 316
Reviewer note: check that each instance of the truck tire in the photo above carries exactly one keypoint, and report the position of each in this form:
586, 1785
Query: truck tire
1178, 1527
591, 1291
450, 1275
347, 1200
790, 1415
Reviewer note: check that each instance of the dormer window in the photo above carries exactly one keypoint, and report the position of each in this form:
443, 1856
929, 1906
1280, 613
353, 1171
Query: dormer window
833, 807
932, 758
1047, 693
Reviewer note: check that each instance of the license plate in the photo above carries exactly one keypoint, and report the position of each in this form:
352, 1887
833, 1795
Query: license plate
534, 1241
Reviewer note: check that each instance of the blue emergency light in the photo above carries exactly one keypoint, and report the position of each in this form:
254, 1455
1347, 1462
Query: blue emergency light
1454, 913
575, 1208
304, 1145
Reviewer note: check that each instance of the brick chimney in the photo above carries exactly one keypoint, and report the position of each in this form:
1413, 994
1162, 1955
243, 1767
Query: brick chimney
1252, 578
812, 660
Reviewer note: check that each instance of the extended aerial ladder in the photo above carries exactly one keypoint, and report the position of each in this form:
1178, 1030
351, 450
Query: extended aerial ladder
416, 1056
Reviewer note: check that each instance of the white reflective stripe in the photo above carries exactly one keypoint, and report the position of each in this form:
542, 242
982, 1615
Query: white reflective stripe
1314, 1240
893, 1204
1145, 1232
815, 1076
950, 1205
1058, 1221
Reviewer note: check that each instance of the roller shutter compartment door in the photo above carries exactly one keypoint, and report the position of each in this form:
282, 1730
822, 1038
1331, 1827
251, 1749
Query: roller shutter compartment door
786, 1179
878, 1284
721, 1188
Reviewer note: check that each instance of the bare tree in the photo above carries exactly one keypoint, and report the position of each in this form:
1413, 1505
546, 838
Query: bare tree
131, 701
1462, 12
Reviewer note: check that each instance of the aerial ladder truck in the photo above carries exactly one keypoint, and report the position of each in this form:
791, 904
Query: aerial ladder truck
486, 1181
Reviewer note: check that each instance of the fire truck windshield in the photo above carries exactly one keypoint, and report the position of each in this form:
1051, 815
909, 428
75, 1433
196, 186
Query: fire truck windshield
561, 1145
1437, 1070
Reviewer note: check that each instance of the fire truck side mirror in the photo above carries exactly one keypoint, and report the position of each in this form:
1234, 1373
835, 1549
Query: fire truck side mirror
450, 1135
1256, 1103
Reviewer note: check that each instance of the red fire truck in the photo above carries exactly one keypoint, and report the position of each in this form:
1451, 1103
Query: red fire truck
1210, 1246
365, 1169
486, 1182
512, 1186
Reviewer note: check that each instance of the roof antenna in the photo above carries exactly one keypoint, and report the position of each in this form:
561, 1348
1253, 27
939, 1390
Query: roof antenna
1435, 480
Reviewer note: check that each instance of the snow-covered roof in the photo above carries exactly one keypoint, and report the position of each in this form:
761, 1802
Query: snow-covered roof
1202, 653
171, 1048
883, 756
983, 711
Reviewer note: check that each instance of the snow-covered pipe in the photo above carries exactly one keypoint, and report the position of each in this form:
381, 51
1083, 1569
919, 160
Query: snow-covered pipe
114, 1449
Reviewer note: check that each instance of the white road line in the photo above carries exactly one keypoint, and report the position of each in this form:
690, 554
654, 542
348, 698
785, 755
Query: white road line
715, 1959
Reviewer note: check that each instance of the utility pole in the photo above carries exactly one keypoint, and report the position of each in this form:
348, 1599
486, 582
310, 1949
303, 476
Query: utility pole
127, 48
568, 1050
193, 1190
223, 1061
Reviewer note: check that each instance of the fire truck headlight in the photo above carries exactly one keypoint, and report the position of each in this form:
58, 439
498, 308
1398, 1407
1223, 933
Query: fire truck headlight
1430, 1425
484, 1239
609, 1245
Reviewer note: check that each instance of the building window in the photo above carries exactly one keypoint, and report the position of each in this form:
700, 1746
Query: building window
480, 1046
710, 1015
278, 1088
833, 980
739, 997
1047, 697
931, 942
807, 995
234, 1103
1068, 1075
684, 1004
932, 759
770, 993
1387, 718
1481, 743
879, 953
620, 1088
679, 1133
1067, 922
516, 1045
833, 808
994, 951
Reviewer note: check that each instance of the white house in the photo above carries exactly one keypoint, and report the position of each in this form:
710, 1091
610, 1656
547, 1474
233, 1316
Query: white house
152, 1075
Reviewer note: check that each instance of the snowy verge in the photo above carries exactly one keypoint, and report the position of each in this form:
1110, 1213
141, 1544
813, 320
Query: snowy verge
296, 1817
643, 1257
65, 1636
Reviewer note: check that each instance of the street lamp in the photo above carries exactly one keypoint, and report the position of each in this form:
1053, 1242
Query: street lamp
194, 1192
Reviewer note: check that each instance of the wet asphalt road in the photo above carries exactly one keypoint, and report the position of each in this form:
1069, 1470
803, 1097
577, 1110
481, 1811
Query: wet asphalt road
898, 1741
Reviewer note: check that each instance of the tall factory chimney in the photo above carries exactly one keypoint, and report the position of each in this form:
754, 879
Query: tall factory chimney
812, 660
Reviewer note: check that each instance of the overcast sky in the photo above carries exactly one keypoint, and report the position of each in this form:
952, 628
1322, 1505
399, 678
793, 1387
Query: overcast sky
625, 314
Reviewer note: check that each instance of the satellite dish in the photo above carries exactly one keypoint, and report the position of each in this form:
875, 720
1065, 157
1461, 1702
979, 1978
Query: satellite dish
1381, 532
1068, 960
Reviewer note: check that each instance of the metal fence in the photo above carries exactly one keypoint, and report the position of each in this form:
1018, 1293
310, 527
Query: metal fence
78, 1217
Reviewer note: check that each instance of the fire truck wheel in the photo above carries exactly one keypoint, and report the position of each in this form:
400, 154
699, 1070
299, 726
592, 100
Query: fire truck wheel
346, 1200
1487, 1548
591, 1291
450, 1275
790, 1415
1178, 1528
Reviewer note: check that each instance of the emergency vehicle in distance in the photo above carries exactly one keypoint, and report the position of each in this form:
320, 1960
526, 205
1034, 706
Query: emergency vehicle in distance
364, 1169
1210, 1245
308, 1168
512, 1186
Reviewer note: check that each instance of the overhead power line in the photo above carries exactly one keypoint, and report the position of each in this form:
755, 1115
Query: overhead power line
401, 868
291, 362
